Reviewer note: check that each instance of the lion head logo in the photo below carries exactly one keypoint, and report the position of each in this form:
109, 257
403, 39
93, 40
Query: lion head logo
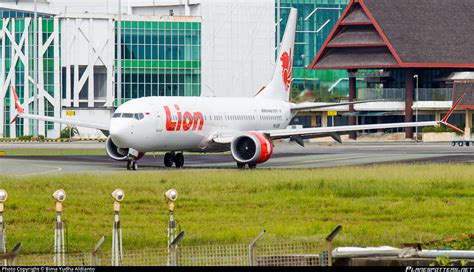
287, 68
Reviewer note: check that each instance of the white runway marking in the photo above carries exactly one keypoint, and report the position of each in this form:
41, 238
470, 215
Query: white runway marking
56, 169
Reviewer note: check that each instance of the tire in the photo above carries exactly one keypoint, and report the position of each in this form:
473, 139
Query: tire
168, 160
134, 166
240, 165
179, 160
460, 143
468, 143
252, 165
453, 144
129, 165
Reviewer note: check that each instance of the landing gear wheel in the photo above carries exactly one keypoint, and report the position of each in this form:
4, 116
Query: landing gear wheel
168, 160
460, 143
240, 165
252, 165
134, 166
129, 165
179, 160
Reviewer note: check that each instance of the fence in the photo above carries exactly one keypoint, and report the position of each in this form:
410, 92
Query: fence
424, 94
379, 93
265, 254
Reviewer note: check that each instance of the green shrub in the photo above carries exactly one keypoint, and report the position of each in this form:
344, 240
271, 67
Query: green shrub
30, 137
68, 132
25, 137
439, 129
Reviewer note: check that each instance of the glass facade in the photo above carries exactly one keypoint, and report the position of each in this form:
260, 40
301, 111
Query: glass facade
316, 19
17, 26
160, 59
12, 13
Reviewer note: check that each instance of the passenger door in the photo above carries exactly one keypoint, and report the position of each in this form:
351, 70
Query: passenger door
159, 121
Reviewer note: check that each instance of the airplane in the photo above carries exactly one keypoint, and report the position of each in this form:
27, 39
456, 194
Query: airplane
245, 126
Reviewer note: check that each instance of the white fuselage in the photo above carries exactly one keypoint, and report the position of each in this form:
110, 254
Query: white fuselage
188, 123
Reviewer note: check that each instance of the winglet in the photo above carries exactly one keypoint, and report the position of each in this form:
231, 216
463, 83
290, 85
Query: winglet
18, 106
444, 121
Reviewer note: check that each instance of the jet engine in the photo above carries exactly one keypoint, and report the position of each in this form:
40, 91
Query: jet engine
116, 153
251, 148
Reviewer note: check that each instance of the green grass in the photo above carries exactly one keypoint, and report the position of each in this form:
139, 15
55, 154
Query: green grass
376, 205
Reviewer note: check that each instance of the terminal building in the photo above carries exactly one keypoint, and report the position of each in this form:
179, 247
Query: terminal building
168, 48
227, 48
418, 58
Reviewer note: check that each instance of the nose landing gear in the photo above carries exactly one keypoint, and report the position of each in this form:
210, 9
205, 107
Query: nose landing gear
132, 165
173, 158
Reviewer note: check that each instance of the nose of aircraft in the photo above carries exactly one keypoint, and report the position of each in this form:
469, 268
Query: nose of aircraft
121, 133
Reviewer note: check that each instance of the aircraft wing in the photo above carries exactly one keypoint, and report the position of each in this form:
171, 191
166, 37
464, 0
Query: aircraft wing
308, 133
313, 106
101, 127
304, 133
288, 133
21, 114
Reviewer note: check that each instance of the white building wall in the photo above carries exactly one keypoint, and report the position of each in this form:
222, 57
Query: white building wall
87, 43
237, 46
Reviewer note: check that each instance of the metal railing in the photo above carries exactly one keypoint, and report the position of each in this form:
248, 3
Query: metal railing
265, 254
439, 94
398, 94
379, 93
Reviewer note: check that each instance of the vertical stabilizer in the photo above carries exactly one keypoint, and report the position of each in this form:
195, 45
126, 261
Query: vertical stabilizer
280, 86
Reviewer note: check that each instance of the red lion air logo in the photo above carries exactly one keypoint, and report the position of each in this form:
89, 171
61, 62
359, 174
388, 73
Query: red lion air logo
183, 121
287, 68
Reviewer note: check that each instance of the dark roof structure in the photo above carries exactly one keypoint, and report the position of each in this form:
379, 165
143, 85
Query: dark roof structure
401, 34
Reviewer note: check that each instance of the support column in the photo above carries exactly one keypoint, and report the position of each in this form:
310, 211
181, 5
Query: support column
467, 129
380, 121
409, 87
324, 119
352, 96
313, 120
437, 116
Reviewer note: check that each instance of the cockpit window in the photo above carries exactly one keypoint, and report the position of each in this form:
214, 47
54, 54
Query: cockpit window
139, 116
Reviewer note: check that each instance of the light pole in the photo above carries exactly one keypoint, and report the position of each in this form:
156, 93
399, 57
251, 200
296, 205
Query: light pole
171, 196
59, 246
117, 253
3, 226
417, 106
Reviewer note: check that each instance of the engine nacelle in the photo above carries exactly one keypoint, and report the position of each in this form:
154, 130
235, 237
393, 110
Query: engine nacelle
116, 153
251, 147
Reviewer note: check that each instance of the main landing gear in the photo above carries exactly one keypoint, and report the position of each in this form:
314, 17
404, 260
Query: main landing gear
174, 158
132, 165
242, 165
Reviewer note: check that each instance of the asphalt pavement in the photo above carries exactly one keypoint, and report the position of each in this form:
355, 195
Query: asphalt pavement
286, 155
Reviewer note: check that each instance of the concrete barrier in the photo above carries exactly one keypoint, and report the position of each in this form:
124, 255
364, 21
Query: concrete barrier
440, 137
